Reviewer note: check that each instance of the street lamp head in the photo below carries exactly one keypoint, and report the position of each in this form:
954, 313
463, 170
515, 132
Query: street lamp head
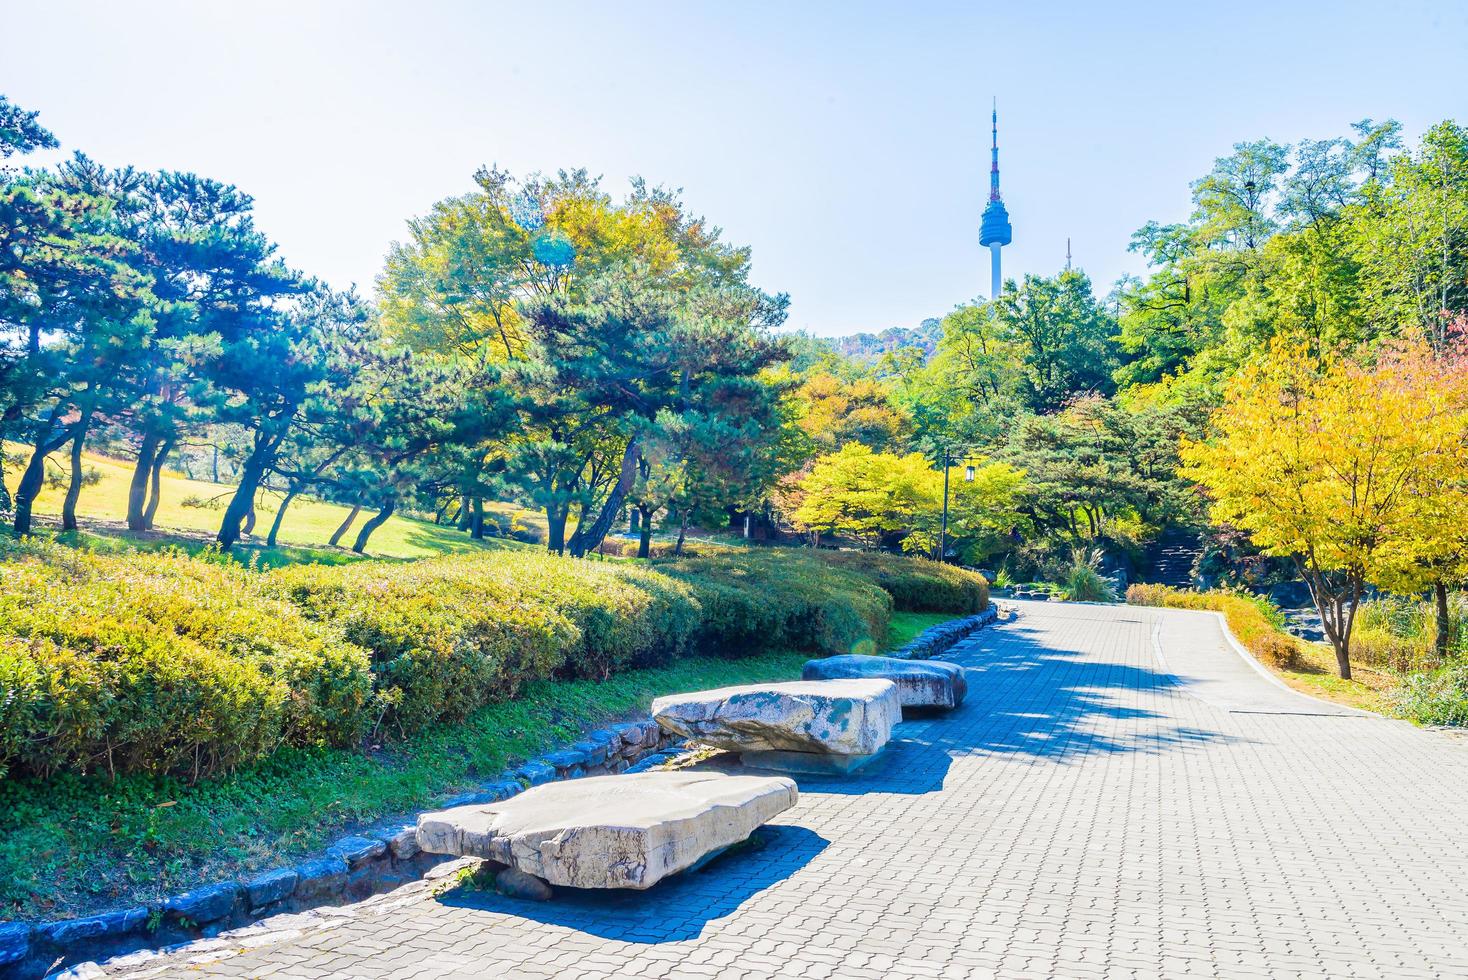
968, 473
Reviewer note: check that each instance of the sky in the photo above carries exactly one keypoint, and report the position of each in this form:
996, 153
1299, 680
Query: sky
846, 143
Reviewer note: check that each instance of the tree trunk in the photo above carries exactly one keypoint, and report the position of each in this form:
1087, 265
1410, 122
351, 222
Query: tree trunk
476, 519
242, 504
1331, 604
155, 491
346, 524
587, 537
465, 513
216, 463
373, 523
1443, 625
74, 488
555, 528
137, 490
34, 475
644, 532
636, 521
250, 517
280, 516
682, 531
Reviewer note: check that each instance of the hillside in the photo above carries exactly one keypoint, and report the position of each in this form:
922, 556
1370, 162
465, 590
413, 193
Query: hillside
189, 512
869, 347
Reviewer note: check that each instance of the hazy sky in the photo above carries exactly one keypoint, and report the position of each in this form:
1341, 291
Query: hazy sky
845, 142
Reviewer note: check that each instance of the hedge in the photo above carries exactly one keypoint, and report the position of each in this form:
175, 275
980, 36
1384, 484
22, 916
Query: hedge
918, 584
163, 663
1251, 620
167, 664
781, 597
448, 635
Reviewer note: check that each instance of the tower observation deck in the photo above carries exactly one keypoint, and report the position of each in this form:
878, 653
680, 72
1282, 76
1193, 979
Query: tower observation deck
994, 230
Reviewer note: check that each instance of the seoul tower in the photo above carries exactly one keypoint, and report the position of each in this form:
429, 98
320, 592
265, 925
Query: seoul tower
995, 232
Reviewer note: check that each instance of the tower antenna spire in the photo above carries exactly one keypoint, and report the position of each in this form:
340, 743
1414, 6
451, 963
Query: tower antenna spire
1067, 254
994, 153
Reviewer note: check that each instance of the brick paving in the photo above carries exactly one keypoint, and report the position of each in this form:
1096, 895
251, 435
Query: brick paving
1085, 814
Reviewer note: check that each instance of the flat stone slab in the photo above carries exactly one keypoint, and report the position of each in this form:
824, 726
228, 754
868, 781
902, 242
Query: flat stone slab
920, 683
841, 717
628, 831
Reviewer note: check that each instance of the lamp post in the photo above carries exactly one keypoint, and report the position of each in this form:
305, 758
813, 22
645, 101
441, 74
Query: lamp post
968, 477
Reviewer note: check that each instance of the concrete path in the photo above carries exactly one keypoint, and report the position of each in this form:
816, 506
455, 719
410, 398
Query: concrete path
1091, 811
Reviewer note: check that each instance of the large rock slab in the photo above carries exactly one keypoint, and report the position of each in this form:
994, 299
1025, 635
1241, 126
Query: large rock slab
845, 717
626, 831
920, 683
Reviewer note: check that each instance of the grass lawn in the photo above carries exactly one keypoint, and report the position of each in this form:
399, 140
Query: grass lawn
308, 524
907, 625
1315, 673
72, 845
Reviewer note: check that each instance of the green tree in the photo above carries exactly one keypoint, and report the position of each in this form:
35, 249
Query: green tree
1061, 338
76, 306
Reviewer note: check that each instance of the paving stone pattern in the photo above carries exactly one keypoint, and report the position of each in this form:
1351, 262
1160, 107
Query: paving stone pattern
1083, 814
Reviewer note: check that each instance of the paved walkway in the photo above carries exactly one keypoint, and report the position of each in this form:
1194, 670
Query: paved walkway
1084, 814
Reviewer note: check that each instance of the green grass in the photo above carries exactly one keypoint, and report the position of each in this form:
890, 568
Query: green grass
308, 524
73, 845
905, 626
1314, 672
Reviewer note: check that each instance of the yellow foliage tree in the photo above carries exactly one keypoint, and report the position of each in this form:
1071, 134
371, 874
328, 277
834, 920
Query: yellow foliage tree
876, 497
1353, 468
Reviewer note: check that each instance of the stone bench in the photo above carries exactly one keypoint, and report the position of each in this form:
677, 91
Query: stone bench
627, 831
920, 683
802, 726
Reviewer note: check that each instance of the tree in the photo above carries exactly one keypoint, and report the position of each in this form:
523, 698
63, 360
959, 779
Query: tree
872, 497
1060, 338
1410, 234
1331, 463
838, 411
1432, 556
885, 499
275, 374
588, 309
217, 283
20, 132
78, 306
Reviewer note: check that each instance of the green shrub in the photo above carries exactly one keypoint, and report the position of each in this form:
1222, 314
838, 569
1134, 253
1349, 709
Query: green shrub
448, 635
1253, 620
169, 664
782, 597
917, 584
161, 663
1436, 698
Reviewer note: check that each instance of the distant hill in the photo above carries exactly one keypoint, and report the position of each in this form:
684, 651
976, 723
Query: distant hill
869, 347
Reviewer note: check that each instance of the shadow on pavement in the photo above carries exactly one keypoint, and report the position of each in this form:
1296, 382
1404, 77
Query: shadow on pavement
1028, 696
675, 909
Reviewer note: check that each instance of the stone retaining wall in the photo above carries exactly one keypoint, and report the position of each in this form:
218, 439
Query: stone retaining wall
936, 640
355, 867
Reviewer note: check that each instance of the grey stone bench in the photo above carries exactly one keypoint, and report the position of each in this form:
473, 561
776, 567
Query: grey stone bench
802, 726
920, 683
627, 831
